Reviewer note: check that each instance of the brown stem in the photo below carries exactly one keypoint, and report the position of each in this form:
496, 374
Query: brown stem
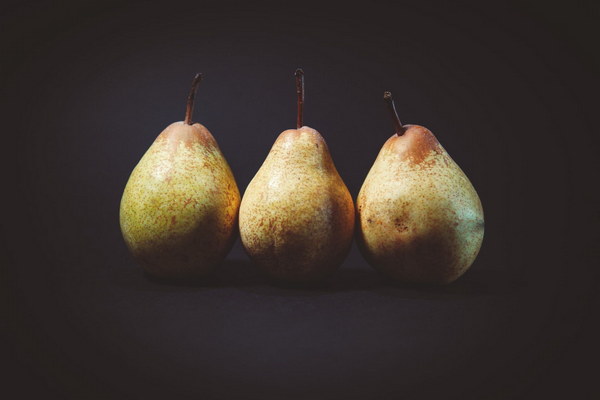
189, 109
300, 93
400, 129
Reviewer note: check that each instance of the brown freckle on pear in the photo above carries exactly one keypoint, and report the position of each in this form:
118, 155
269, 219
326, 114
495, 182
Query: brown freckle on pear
435, 227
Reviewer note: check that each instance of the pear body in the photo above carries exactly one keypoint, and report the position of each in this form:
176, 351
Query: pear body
179, 209
420, 219
297, 216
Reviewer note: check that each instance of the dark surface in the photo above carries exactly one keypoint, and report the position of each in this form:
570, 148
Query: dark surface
511, 93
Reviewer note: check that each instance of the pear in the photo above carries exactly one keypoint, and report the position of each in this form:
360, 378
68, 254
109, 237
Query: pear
420, 219
297, 216
179, 210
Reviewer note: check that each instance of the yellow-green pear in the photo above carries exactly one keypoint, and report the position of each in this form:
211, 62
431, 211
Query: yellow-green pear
420, 219
297, 215
179, 210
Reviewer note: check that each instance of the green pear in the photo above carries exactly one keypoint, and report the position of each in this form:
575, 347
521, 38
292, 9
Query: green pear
179, 210
420, 219
297, 215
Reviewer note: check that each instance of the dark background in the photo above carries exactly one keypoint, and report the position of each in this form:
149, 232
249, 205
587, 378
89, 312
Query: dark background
511, 91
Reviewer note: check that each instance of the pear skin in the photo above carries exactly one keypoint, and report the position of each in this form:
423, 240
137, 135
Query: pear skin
420, 219
179, 209
297, 216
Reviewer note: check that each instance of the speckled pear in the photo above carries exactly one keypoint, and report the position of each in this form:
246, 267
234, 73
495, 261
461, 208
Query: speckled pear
179, 210
297, 215
420, 219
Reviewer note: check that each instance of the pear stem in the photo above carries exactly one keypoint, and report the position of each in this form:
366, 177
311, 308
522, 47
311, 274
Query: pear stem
300, 93
189, 109
400, 129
